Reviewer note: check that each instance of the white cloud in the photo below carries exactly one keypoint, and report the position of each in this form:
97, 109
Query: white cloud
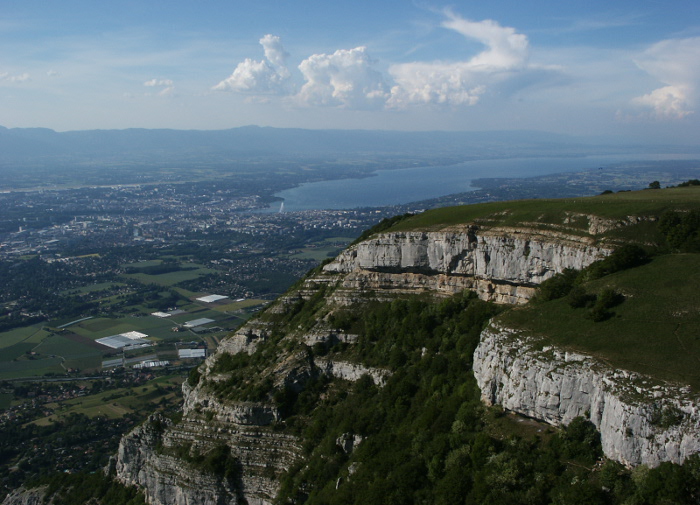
345, 78
158, 82
5, 76
675, 63
462, 83
506, 48
275, 53
667, 102
167, 85
268, 76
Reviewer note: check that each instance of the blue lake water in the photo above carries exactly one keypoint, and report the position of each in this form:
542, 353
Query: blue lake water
394, 187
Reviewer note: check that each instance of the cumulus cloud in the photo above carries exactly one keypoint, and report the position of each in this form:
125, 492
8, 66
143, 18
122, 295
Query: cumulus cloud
461, 83
275, 53
268, 76
345, 78
675, 63
167, 85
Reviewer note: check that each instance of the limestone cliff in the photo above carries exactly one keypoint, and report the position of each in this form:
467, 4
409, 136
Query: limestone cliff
641, 421
503, 265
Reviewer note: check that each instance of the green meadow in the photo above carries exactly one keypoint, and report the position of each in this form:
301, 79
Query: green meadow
655, 330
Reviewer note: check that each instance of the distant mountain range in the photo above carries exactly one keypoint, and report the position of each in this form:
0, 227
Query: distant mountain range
26, 143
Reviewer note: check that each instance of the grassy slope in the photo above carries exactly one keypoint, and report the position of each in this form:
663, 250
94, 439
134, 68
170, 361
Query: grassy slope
513, 213
655, 331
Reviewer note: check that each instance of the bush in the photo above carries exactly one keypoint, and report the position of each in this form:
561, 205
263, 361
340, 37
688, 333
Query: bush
578, 298
682, 231
556, 287
609, 298
623, 258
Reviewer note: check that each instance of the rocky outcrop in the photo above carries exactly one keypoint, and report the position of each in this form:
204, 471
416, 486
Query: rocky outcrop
22, 496
351, 371
640, 420
165, 478
150, 457
500, 264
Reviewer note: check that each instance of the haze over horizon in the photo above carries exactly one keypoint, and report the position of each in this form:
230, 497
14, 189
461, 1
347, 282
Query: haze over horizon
629, 69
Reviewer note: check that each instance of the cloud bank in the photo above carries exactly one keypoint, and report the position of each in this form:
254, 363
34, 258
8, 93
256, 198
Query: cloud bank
347, 78
675, 63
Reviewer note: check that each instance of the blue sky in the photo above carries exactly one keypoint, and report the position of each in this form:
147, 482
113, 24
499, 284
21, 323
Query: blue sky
629, 68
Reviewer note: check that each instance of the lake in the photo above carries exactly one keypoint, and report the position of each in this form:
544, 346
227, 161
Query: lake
401, 186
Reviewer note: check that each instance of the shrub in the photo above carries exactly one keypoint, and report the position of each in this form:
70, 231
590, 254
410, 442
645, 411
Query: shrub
579, 298
623, 258
557, 287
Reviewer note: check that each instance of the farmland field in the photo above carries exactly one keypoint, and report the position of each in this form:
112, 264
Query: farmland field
28, 334
191, 271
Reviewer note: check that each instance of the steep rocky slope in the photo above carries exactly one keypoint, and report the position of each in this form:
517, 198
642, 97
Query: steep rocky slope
235, 405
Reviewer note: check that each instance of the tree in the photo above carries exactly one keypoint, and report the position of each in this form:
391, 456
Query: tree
655, 185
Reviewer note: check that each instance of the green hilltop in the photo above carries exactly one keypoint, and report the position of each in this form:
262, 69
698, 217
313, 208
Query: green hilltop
563, 214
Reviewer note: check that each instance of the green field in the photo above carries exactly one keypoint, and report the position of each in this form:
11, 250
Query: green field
58, 345
15, 351
655, 331
234, 306
29, 334
30, 368
171, 278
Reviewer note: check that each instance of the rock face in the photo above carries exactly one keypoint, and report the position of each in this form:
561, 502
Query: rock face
640, 421
500, 264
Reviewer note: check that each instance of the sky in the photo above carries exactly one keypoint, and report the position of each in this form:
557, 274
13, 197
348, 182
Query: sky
624, 68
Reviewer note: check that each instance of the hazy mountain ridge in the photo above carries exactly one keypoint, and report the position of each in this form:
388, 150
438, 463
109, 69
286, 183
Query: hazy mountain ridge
24, 143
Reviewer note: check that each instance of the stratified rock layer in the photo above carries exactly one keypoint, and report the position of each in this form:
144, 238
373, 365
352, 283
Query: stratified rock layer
503, 265
640, 421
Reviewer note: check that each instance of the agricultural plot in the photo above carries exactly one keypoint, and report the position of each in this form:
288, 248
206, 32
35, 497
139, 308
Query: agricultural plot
188, 272
28, 334
242, 305
30, 368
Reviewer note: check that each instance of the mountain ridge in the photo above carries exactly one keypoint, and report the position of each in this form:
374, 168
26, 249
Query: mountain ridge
332, 339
